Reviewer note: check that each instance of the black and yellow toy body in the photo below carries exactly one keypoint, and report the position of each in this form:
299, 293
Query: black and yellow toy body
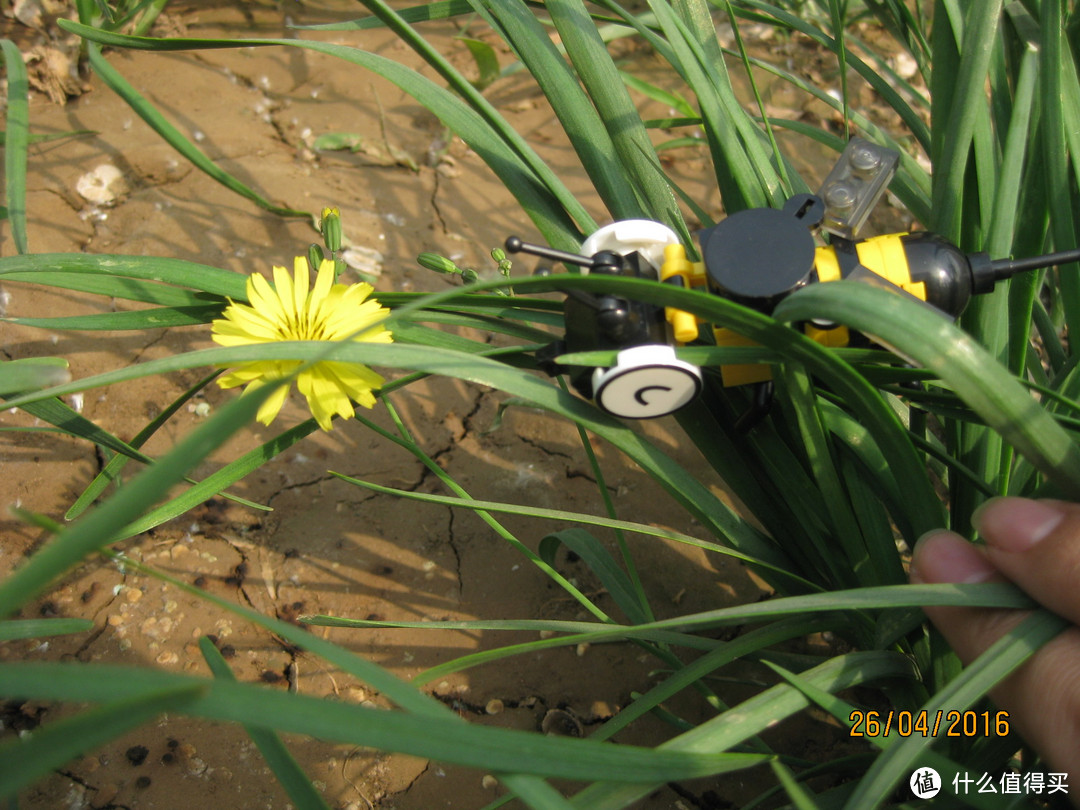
923, 265
647, 380
757, 258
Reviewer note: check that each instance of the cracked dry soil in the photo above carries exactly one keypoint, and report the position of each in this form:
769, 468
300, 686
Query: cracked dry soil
327, 547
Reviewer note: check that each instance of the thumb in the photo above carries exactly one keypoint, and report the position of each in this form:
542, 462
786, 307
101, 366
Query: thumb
1042, 697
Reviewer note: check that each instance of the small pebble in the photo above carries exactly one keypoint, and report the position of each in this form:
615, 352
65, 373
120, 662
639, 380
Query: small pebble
136, 755
560, 723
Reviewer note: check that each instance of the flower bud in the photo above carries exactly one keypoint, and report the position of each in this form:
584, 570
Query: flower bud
331, 229
499, 255
436, 262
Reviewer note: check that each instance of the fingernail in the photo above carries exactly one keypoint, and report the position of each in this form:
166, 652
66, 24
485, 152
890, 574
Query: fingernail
943, 557
1016, 524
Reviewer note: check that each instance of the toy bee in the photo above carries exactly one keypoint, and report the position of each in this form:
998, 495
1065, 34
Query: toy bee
755, 257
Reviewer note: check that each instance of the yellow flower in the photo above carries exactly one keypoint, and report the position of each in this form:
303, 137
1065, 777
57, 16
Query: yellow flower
288, 311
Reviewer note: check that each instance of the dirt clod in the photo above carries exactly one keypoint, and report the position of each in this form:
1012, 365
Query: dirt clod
137, 754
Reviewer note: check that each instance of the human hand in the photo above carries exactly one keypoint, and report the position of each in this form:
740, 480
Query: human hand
1036, 545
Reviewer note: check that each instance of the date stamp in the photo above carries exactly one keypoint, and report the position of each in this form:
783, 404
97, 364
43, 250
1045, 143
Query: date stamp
967, 724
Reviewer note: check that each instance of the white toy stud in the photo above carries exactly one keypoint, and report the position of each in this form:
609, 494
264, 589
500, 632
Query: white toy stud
645, 236
646, 382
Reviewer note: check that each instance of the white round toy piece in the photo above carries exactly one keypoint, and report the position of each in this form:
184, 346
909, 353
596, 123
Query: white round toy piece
628, 235
646, 382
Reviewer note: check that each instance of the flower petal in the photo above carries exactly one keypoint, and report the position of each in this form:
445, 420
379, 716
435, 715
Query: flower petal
262, 296
246, 321
324, 280
346, 321
300, 295
283, 284
354, 378
269, 410
325, 398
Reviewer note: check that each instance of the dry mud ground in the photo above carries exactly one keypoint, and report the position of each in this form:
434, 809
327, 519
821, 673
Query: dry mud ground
326, 547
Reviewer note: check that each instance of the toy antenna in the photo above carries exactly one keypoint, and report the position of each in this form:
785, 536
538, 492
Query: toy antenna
1006, 268
515, 245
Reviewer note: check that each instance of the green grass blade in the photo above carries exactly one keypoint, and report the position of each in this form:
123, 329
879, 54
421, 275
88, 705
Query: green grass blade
1003, 224
609, 507
859, 444
882, 563
156, 318
148, 12
778, 158
884, 597
1004, 656
63, 416
528, 787
277, 756
98, 282
539, 192
746, 645
487, 63
120, 270
1054, 51
731, 455
40, 628
99, 528
954, 125
796, 393
16, 138
1071, 98
907, 27
620, 118
493, 120
171, 135
695, 19
580, 120
912, 121
557, 514
739, 183
215, 483
889, 434
841, 50
612, 578
443, 738
667, 97
32, 373
801, 798
578, 632
754, 716
437, 10
111, 471
673, 477
933, 341
25, 760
